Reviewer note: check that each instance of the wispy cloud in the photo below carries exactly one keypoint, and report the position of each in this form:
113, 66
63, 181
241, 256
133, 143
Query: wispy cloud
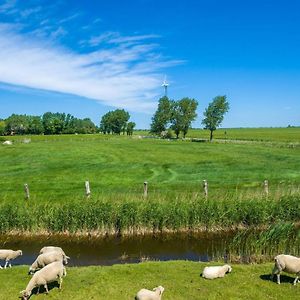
7, 6
125, 75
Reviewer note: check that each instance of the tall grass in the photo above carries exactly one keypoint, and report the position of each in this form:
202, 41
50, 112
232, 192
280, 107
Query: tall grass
152, 215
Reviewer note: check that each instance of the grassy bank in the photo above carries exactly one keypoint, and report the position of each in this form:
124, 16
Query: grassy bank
181, 280
149, 215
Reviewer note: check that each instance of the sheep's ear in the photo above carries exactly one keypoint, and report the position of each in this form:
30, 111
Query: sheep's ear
68, 257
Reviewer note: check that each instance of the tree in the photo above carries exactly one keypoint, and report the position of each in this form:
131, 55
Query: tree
2, 127
162, 116
183, 113
130, 127
114, 121
214, 114
17, 124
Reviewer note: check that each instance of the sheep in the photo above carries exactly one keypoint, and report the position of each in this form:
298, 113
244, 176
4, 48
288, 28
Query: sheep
7, 143
8, 255
286, 263
52, 272
145, 294
47, 258
216, 271
53, 248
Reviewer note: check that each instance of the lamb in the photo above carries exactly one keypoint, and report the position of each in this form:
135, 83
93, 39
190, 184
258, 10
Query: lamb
216, 271
145, 294
8, 255
286, 263
52, 272
47, 258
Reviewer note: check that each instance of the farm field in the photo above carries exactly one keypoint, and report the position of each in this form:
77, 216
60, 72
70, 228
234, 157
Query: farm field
291, 134
181, 280
56, 168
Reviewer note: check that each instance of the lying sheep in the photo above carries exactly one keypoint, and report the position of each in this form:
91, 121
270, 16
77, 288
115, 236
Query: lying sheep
286, 263
216, 271
46, 259
7, 143
8, 255
52, 272
145, 294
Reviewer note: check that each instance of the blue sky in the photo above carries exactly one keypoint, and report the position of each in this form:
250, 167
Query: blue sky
89, 57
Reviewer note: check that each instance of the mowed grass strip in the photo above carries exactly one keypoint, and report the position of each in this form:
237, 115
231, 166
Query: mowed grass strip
181, 280
55, 167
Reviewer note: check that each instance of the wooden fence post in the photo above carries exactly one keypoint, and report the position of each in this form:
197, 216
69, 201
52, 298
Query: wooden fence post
205, 188
145, 189
26, 189
266, 187
87, 189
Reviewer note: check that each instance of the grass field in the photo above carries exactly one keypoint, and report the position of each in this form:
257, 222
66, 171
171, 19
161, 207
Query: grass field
55, 167
291, 134
181, 280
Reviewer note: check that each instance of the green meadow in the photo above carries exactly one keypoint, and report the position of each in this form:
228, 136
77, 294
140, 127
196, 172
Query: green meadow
181, 280
56, 168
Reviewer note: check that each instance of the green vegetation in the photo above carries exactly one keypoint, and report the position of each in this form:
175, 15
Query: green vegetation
55, 168
181, 280
214, 114
175, 115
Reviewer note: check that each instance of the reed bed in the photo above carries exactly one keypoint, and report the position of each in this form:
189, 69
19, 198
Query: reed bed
151, 215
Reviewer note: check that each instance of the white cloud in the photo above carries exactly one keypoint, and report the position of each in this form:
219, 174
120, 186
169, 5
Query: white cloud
7, 6
125, 76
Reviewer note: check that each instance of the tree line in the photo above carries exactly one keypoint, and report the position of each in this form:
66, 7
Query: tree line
170, 116
48, 123
179, 115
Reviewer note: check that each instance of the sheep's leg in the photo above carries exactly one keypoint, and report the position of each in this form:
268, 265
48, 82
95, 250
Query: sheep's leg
46, 288
296, 279
1, 267
9, 265
6, 262
60, 280
278, 278
38, 291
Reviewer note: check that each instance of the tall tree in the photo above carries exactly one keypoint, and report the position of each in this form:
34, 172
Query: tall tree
183, 113
162, 116
130, 127
214, 114
114, 121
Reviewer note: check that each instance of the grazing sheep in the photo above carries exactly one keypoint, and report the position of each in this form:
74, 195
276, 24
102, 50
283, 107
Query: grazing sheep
286, 263
144, 294
216, 271
52, 272
46, 259
53, 248
7, 143
8, 255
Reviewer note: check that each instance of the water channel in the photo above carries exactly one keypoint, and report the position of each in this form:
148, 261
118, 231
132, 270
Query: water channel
112, 250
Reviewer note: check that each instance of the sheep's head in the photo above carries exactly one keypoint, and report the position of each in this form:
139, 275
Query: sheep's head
20, 252
65, 259
25, 295
229, 268
159, 289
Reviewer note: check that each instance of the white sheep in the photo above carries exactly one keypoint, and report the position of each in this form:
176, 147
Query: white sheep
7, 255
286, 263
145, 294
53, 248
52, 272
7, 143
46, 259
216, 271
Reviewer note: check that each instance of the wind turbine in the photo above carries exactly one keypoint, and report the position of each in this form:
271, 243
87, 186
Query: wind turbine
165, 86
